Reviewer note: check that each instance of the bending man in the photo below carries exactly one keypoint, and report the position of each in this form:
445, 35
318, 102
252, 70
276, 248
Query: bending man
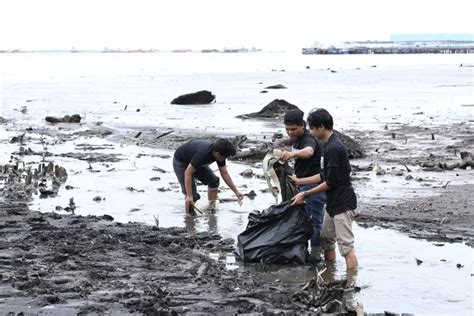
192, 159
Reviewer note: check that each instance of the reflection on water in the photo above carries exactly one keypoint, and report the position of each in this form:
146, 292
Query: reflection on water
330, 274
192, 221
389, 277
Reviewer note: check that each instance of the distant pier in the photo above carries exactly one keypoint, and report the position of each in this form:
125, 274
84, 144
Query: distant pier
392, 47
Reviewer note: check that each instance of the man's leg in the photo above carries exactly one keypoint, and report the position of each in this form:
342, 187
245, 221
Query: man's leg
330, 255
328, 238
212, 197
207, 176
351, 260
314, 206
345, 237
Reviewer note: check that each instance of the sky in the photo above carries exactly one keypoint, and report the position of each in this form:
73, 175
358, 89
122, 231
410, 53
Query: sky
198, 24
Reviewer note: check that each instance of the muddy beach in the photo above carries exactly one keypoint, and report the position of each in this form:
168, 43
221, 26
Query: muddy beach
128, 248
59, 265
64, 263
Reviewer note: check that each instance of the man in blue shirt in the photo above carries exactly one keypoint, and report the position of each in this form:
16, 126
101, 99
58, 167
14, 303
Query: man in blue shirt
306, 151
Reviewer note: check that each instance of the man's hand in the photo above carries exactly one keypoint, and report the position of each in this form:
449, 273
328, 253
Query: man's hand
298, 199
240, 197
295, 180
188, 202
286, 155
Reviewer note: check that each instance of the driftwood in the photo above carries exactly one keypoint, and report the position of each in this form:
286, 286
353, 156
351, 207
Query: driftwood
251, 154
22, 181
17, 139
200, 272
164, 134
466, 161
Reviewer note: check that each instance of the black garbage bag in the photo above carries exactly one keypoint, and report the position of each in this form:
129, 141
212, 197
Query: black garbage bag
277, 235
288, 188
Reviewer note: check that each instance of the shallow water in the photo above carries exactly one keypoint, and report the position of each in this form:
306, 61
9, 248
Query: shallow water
365, 99
391, 280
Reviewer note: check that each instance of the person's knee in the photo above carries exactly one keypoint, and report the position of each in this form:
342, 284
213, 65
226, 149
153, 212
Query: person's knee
326, 242
351, 260
345, 248
213, 185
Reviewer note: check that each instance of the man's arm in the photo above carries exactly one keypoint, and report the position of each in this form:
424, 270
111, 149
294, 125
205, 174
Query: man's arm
228, 180
188, 184
308, 180
304, 153
299, 198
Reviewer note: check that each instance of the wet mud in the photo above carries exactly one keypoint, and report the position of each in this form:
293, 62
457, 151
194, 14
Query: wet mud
445, 217
66, 264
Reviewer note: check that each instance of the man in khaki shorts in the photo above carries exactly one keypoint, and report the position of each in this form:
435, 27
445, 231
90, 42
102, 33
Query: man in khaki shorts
338, 229
334, 179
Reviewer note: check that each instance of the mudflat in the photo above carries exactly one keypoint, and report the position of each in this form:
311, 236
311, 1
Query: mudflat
444, 217
85, 252
67, 264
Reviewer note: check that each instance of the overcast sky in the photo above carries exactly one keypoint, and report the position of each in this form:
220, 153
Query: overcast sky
197, 24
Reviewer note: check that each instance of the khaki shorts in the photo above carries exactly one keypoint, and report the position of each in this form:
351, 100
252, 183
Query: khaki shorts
338, 229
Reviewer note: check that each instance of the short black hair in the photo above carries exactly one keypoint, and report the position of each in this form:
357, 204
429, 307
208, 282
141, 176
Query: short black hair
320, 117
224, 147
294, 117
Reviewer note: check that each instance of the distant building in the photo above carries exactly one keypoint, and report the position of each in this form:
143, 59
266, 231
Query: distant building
403, 44
431, 37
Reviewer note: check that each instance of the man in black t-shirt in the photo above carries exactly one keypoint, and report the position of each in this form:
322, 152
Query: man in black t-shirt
306, 151
334, 179
191, 160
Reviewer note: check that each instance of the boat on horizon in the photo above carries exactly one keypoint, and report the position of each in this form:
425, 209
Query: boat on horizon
186, 50
213, 50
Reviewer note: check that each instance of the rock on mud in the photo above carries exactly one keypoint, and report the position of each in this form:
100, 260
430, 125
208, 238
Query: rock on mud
277, 86
200, 97
354, 149
75, 118
274, 109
